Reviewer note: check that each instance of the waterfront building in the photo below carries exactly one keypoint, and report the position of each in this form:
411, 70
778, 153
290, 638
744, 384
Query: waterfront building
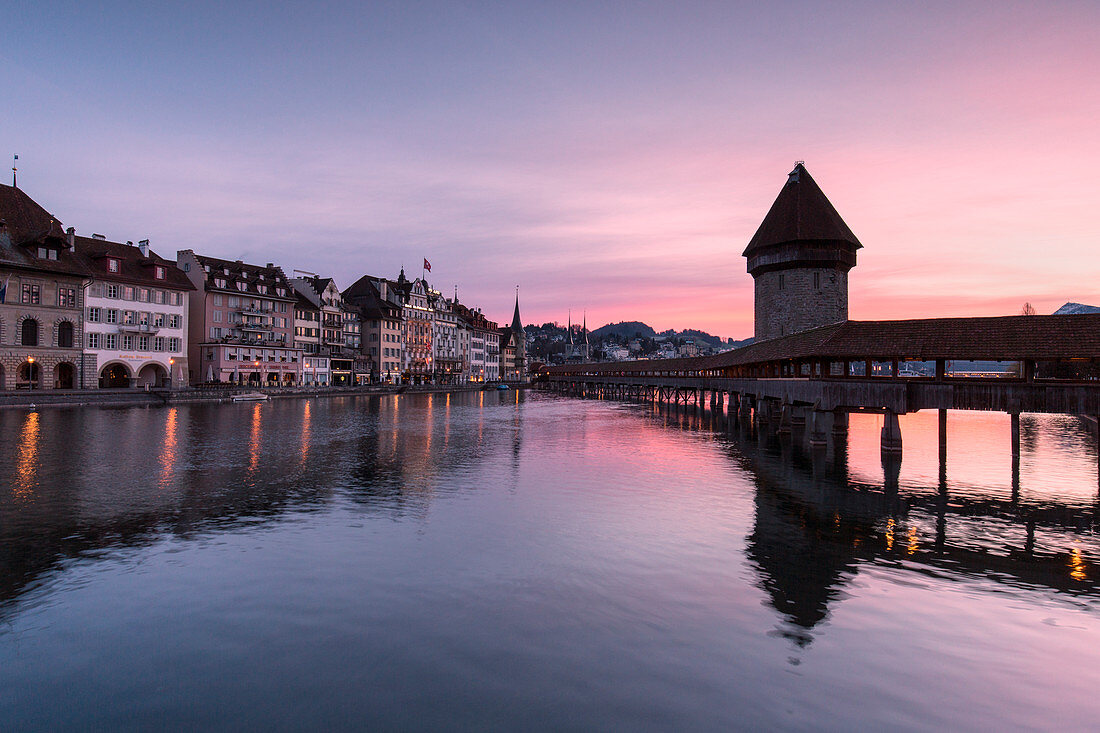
416, 323
337, 323
240, 322
42, 280
484, 345
360, 365
799, 259
447, 359
380, 307
307, 334
135, 315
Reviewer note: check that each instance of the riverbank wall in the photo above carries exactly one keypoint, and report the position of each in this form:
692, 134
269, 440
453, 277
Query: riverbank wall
161, 397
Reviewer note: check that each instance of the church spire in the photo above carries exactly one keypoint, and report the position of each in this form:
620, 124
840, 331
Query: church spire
517, 324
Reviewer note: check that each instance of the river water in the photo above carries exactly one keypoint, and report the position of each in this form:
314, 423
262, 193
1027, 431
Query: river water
527, 561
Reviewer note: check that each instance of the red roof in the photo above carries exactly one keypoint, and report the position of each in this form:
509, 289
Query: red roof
134, 267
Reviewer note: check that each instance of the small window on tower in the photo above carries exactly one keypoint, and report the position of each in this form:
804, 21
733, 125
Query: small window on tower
781, 281
817, 281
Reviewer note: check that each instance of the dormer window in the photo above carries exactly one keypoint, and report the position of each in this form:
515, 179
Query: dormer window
159, 272
225, 270
113, 265
280, 291
219, 282
241, 285
262, 288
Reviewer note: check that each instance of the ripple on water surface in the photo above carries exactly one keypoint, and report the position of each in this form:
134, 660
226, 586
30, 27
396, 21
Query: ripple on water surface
522, 560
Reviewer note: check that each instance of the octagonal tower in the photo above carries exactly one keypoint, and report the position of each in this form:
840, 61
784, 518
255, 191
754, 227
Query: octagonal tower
799, 259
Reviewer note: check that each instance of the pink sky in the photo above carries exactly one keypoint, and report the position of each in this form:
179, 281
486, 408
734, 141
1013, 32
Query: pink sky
613, 159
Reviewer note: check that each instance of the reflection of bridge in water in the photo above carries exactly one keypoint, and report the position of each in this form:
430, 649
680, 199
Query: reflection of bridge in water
816, 526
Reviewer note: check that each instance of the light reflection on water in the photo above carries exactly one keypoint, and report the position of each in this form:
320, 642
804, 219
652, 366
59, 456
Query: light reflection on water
506, 560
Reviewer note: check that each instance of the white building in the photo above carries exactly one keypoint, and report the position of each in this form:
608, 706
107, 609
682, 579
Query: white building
449, 365
135, 315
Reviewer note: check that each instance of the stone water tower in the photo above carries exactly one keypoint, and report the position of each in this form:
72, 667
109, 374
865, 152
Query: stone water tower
800, 258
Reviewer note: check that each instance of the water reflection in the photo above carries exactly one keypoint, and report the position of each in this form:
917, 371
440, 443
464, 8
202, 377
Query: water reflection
26, 471
170, 449
820, 515
819, 521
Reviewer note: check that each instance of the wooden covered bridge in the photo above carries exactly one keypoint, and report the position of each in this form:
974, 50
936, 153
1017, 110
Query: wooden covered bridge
890, 367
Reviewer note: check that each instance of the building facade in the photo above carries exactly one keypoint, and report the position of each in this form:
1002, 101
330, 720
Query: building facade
449, 365
240, 323
416, 322
42, 281
307, 334
382, 331
483, 339
135, 315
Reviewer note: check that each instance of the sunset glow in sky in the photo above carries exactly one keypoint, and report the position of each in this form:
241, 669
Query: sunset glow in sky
613, 157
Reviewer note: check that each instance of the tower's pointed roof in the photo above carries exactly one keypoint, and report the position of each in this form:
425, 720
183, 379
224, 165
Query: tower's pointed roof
801, 213
517, 324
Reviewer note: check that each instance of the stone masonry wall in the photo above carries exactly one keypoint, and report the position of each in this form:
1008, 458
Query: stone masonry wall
787, 302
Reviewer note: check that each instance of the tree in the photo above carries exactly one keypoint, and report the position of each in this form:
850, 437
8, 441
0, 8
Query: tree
1027, 310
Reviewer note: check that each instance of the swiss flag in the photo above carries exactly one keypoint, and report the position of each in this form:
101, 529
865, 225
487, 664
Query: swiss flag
427, 265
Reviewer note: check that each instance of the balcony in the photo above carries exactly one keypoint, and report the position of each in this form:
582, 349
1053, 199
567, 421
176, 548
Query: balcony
257, 327
138, 328
278, 341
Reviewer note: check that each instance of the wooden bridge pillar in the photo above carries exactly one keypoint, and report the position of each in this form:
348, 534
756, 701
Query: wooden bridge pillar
891, 433
840, 422
943, 450
798, 416
817, 429
784, 418
1015, 427
744, 407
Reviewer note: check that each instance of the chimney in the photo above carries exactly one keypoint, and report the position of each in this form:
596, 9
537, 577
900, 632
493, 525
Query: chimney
143, 245
99, 236
270, 265
70, 236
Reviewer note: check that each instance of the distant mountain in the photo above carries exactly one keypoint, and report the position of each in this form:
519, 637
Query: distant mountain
1072, 309
624, 330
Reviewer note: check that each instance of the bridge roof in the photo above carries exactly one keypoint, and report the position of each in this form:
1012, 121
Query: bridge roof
801, 213
1002, 338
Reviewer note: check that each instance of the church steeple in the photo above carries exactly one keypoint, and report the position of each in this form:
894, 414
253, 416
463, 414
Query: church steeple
517, 324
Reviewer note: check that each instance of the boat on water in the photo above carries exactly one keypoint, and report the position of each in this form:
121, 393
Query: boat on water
250, 397
502, 386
